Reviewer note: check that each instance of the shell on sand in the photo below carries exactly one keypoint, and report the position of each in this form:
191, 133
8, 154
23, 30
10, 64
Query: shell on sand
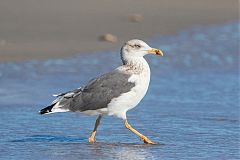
109, 38
136, 18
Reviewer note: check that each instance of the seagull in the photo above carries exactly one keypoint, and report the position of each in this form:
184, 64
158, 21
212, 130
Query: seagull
113, 93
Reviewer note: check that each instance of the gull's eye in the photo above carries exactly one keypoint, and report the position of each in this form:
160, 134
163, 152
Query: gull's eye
137, 46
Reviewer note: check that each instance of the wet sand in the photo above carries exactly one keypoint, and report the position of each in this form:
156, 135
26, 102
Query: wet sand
58, 28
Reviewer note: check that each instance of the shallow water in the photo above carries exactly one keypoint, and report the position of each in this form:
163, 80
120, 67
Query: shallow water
191, 108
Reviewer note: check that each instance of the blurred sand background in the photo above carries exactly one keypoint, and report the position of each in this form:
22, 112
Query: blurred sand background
40, 29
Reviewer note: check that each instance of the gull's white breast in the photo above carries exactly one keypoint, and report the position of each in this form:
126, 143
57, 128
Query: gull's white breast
120, 105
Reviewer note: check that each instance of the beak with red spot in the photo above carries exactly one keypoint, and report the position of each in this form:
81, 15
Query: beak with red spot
155, 51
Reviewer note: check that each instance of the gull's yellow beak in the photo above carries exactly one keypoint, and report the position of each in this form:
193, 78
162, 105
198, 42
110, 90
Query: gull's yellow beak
155, 51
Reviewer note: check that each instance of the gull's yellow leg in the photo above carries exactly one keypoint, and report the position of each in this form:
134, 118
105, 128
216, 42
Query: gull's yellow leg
144, 138
91, 138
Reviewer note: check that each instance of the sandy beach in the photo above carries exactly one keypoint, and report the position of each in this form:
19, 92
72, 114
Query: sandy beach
32, 29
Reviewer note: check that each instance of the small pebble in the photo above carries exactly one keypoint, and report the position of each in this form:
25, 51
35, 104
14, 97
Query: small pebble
136, 18
108, 38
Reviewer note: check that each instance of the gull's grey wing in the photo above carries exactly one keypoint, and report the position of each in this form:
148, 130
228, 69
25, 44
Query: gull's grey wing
97, 93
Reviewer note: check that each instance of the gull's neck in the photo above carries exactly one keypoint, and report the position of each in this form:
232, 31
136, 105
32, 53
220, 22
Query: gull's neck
136, 64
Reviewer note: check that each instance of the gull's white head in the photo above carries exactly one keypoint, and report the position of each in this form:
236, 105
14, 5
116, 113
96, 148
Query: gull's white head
138, 48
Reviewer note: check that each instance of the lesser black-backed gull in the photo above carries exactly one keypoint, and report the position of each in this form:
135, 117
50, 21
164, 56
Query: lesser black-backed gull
113, 93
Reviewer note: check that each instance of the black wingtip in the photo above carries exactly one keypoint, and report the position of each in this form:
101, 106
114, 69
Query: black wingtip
46, 110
